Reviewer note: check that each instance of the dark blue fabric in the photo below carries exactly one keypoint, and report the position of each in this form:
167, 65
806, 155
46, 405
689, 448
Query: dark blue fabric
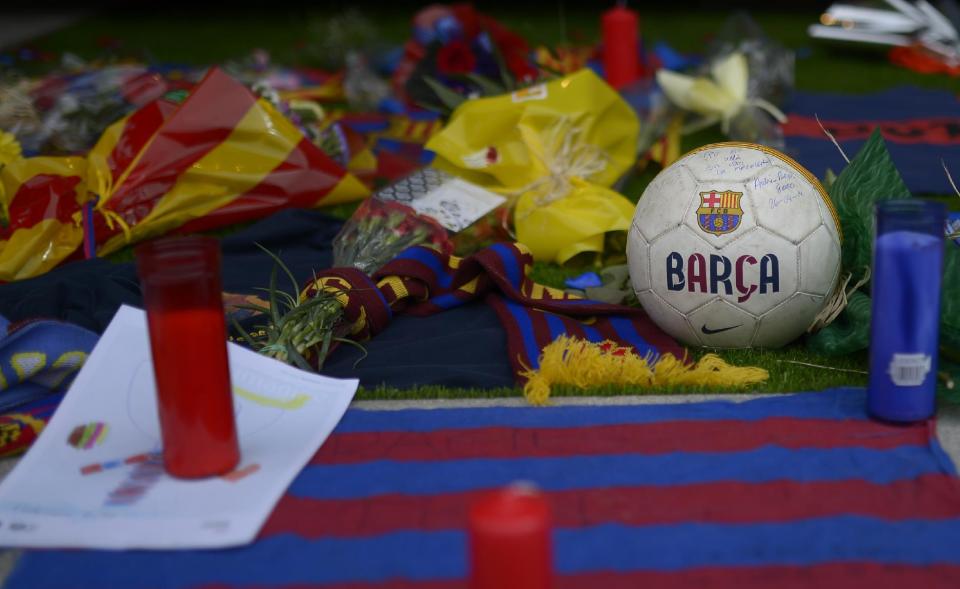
895, 104
918, 163
465, 347
441, 556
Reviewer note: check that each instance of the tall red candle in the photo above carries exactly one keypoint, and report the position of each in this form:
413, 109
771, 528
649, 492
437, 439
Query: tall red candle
180, 279
509, 534
620, 46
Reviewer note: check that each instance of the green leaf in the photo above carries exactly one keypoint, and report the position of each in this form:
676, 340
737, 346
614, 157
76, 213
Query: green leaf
448, 97
243, 333
505, 74
552, 73
274, 307
870, 178
324, 349
279, 262
487, 86
443, 110
950, 299
357, 345
290, 301
298, 360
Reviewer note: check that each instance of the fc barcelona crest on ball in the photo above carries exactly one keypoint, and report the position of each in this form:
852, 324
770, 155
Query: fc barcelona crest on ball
719, 212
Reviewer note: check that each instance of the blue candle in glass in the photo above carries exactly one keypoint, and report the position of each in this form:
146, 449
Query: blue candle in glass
905, 320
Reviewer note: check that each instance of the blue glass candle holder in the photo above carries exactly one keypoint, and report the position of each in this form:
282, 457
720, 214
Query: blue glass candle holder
905, 321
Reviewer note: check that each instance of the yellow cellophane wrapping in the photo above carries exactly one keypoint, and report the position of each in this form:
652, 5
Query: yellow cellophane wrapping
554, 150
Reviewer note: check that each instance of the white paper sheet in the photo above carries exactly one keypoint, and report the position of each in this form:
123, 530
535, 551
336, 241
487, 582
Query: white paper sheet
457, 204
101, 491
453, 202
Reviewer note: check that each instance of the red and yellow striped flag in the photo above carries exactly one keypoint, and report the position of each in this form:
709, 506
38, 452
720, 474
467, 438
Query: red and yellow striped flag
222, 156
39, 197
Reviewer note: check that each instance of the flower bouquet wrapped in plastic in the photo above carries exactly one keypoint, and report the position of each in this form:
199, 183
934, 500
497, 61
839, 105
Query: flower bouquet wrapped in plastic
379, 230
303, 330
217, 157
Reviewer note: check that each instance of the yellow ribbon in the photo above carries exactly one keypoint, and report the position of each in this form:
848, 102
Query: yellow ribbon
567, 158
112, 217
103, 189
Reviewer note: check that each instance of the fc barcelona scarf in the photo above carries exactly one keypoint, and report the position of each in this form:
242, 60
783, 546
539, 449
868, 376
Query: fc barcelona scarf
38, 360
595, 339
423, 281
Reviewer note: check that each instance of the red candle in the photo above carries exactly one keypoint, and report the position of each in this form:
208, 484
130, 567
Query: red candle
620, 46
180, 279
509, 536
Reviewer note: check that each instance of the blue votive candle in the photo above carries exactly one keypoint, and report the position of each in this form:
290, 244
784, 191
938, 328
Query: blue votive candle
905, 320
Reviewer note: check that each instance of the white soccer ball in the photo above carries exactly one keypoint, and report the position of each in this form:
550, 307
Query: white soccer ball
734, 245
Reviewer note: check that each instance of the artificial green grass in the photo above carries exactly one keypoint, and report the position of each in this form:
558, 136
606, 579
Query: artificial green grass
785, 376
290, 37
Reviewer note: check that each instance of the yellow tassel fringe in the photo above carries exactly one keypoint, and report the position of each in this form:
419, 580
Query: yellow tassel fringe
576, 362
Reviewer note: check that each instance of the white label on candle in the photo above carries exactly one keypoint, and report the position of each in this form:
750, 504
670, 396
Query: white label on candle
909, 370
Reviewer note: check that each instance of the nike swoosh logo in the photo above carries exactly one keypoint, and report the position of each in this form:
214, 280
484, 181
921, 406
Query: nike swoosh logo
708, 331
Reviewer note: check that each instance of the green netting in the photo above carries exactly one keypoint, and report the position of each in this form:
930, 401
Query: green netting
871, 178
950, 303
849, 333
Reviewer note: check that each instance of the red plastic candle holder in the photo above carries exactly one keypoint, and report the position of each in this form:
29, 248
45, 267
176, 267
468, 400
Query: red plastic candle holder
509, 535
180, 280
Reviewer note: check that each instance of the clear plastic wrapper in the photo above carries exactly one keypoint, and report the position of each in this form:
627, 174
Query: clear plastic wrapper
771, 64
363, 88
742, 83
771, 77
379, 230
17, 112
71, 111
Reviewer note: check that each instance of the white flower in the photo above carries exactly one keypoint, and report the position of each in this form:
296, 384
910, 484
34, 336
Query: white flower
719, 97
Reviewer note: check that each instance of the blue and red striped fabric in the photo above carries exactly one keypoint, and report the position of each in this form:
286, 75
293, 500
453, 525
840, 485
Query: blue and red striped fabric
788, 491
531, 314
422, 281
921, 127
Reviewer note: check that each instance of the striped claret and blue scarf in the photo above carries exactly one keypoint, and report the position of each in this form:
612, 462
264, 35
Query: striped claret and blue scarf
422, 281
